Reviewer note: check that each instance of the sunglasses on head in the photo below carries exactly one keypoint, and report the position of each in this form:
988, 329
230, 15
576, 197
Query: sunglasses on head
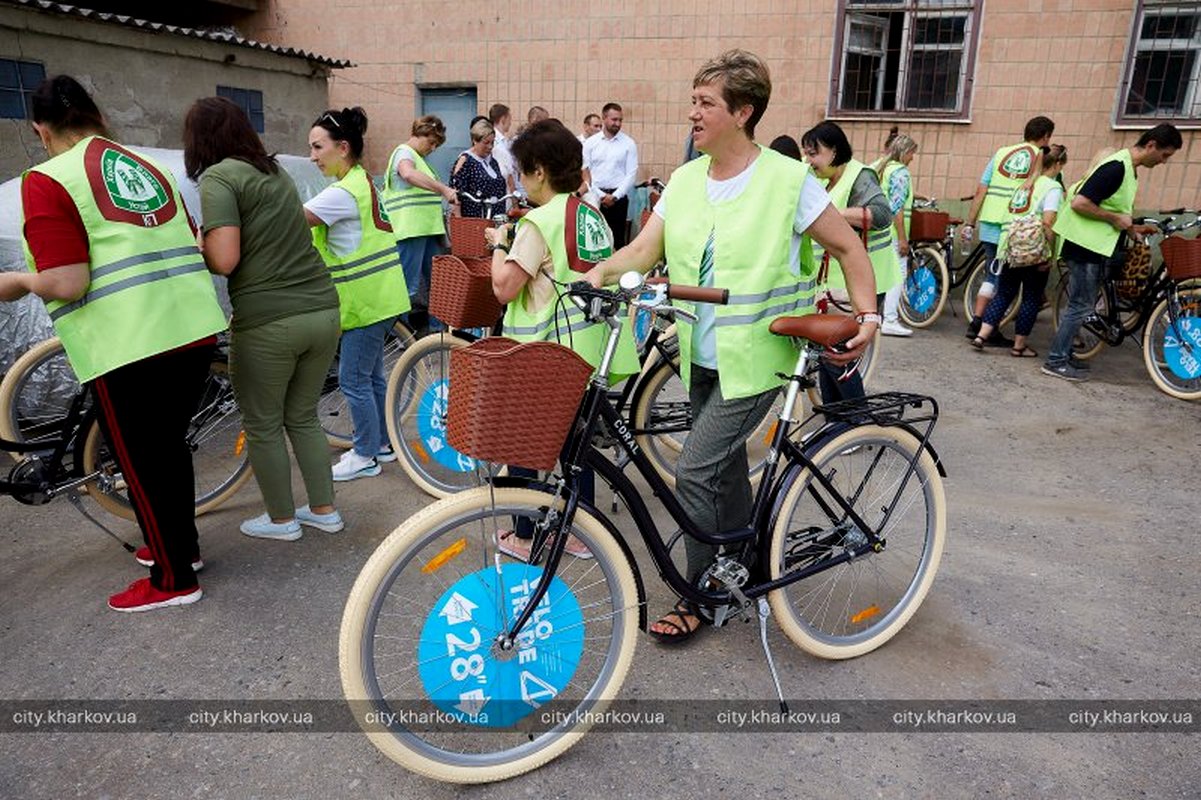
331, 118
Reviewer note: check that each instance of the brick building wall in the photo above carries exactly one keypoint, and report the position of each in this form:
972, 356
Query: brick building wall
1062, 58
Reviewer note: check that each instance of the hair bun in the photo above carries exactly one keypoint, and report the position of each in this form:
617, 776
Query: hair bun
356, 117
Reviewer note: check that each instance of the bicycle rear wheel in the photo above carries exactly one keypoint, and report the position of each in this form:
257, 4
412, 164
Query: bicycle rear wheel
856, 606
418, 648
332, 409
220, 463
416, 406
36, 394
972, 288
925, 288
1172, 352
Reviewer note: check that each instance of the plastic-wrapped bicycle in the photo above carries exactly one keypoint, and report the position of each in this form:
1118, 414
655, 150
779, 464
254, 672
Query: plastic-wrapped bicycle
468, 666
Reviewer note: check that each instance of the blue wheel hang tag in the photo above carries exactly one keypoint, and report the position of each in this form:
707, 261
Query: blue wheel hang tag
1182, 347
921, 290
457, 659
431, 427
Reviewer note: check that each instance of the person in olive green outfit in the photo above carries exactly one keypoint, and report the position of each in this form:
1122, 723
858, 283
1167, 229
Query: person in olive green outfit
285, 323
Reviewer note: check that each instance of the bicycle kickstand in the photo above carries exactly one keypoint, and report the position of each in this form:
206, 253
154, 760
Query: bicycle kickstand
764, 613
73, 497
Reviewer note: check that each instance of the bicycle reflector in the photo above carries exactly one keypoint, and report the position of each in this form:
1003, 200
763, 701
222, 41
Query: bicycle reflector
865, 614
440, 560
240, 444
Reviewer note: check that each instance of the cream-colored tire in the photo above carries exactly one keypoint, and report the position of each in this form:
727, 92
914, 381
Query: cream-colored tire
1159, 332
28, 393
398, 592
856, 606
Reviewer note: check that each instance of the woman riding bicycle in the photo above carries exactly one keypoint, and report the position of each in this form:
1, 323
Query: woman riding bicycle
113, 255
737, 218
356, 242
284, 329
546, 251
478, 173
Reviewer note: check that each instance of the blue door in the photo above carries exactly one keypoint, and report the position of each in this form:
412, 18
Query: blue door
455, 107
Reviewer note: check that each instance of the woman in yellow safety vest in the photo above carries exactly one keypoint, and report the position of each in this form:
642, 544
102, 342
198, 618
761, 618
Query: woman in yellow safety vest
556, 242
354, 238
739, 217
897, 184
413, 196
112, 253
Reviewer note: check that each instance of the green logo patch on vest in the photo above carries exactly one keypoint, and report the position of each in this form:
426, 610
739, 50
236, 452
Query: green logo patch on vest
591, 234
1017, 164
130, 185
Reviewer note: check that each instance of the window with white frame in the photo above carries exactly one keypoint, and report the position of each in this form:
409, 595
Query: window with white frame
1163, 64
904, 56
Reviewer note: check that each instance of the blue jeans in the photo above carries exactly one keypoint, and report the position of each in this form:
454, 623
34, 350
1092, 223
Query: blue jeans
990, 255
417, 260
361, 377
1084, 283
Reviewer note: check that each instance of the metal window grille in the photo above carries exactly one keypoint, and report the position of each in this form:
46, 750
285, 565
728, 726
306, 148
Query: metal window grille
18, 79
249, 100
904, 56
1163, 64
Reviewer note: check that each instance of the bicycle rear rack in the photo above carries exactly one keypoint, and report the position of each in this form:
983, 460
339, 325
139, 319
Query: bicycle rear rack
885, 408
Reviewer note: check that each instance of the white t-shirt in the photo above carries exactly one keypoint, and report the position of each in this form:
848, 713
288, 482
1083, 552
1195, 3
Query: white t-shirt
337, 209
812, 201
503, 156
1051, 201
405, 153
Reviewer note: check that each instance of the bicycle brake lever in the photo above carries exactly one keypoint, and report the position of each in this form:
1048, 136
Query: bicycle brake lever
687, 315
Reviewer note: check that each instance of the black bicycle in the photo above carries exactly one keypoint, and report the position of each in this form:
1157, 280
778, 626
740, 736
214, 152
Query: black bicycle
469, 666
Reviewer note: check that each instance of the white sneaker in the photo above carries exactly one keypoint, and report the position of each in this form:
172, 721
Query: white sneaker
330, 523
261, 527
895, 328
386, 455
352, 465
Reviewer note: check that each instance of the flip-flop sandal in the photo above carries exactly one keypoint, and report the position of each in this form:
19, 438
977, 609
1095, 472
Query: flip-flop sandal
977, 344
1025, 352
682, 632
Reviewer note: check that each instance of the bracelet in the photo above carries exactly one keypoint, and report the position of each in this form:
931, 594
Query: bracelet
868, 316
502, 247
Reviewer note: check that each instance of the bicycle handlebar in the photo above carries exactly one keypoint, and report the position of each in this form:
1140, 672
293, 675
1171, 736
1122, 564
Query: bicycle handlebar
698, 294
489, 201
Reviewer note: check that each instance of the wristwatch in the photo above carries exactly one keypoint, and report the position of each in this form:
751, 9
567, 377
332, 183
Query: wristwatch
868, 316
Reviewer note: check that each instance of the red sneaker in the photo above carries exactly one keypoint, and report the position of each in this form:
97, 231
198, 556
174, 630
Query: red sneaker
143, 557
142, 596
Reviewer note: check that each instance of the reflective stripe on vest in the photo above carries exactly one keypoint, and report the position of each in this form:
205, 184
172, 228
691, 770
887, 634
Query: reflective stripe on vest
413, 211
149, 290
1093, 234
881, 247
554, 321
370, 281
752, 236
1012, 165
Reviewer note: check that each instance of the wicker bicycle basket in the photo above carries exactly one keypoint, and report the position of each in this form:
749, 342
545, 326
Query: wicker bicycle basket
928, 226
461, 292
1181, 257
467, 237
514, 403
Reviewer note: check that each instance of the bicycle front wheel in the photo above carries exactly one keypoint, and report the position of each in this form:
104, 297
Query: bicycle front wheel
416, 407
419, 652
36, 394
972, 288
1172, 351
924, 290
332, 408
856, 606
661, 416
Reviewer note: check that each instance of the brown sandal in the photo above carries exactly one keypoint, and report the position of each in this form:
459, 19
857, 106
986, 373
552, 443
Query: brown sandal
681, 632
977, 344
1025, 352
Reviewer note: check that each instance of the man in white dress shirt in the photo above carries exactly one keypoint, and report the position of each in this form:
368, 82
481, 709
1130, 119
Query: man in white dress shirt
501, 119
592, 124
610, 168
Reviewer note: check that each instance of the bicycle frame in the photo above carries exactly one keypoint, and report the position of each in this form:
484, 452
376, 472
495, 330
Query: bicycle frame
579, 452
77, 420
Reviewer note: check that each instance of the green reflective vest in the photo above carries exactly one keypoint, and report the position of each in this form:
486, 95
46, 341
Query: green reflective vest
370, 281
1095, 234
752, 237
413, 211
1012, 165
150, 291
881, 244
1023, 203
907, 207
578, 226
